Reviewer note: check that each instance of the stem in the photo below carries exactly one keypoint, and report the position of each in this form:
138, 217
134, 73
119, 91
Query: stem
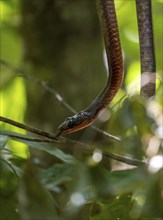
147, 53
28, 128
127, 160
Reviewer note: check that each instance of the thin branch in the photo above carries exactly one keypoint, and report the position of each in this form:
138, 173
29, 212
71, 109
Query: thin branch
28, 128
127, 160
59, 140
51, 137
124, 159
55, 94
14, 136
106, 133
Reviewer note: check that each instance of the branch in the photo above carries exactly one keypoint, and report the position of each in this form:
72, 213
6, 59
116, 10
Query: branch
28, 128
127, 160
51, 137
61, 140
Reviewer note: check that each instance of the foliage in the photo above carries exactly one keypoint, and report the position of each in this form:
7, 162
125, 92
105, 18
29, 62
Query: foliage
84, 188
61, 180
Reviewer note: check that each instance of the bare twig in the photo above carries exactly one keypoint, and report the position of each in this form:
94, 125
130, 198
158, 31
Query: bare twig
24, 137
52, 138
28, 128
124, 159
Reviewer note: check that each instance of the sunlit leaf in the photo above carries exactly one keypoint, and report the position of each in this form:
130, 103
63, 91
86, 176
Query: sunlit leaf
13, 105
132, 79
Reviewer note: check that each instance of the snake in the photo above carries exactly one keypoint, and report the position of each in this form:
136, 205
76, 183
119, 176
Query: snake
110, 32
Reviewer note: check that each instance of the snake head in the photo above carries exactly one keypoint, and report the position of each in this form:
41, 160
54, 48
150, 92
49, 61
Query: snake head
75, 123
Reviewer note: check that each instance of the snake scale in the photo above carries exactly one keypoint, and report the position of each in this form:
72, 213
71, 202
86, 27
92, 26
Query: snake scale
109, 26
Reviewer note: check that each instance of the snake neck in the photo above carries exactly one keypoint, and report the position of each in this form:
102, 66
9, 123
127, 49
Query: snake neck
109, 26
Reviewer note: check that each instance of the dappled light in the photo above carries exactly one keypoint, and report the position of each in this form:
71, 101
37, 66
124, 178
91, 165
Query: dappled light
77, 199
53, 64
155, 163
97, 156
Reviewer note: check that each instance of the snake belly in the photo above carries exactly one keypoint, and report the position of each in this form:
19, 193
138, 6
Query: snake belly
110, 32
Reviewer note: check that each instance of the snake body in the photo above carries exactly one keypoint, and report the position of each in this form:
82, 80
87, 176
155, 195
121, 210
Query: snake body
110, 32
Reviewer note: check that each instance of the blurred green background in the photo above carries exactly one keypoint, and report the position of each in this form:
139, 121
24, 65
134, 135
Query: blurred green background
60, 42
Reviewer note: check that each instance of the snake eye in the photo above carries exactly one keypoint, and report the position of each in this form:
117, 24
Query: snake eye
80, 113
68, 119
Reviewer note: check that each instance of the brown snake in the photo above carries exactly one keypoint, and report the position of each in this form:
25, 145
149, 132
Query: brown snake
109, 26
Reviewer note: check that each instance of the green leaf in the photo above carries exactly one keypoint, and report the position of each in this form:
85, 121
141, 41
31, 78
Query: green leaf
132, 117
8, 187
3, 141
117, 182
34, 200
57, 174
118, 208
149, 202
49, 148
125, 181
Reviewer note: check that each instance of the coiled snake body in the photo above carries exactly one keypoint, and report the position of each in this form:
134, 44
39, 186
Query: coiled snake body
109, 26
